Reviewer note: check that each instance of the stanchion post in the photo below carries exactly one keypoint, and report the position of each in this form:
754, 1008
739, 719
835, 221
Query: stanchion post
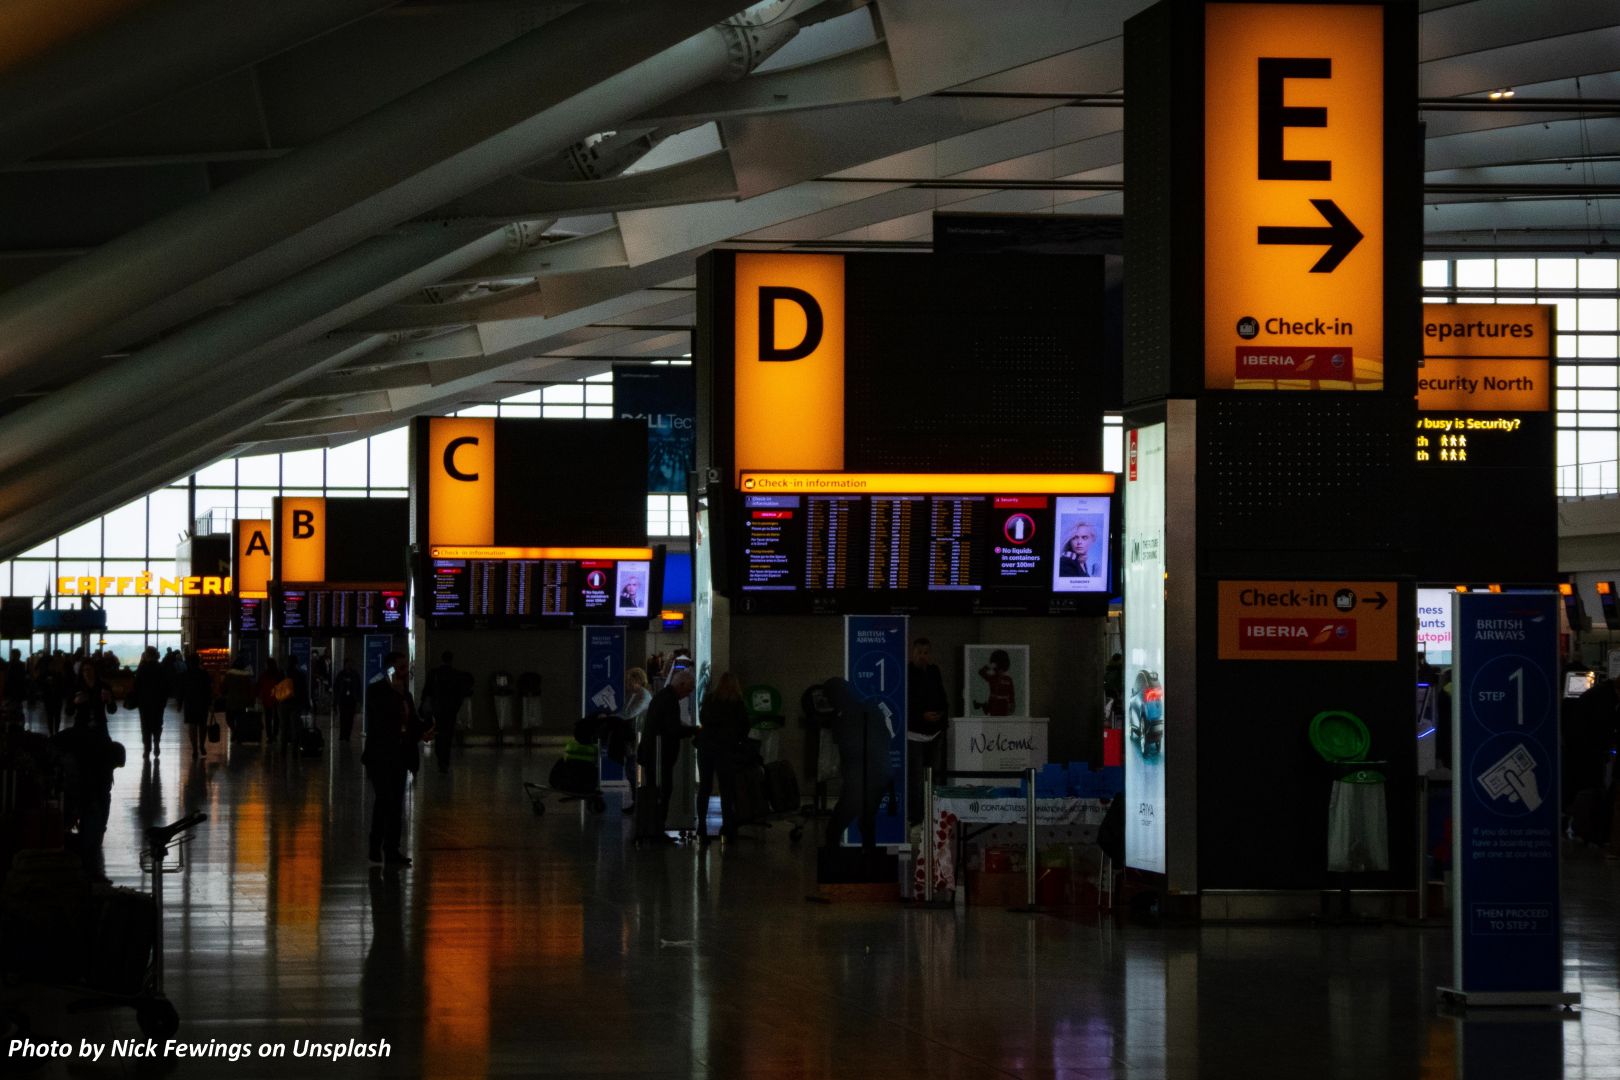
930, 827
1029, 859
1422, 853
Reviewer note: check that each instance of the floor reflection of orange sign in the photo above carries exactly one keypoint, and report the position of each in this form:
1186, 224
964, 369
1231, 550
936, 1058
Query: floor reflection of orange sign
1294, 196
1307, 620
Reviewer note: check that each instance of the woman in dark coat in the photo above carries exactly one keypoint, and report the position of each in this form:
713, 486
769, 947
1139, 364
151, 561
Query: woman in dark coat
196, 693
151, 697
721, 744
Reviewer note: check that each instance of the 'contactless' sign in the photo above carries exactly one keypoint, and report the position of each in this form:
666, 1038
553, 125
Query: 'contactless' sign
1307, 620
1505, 798
1294, 196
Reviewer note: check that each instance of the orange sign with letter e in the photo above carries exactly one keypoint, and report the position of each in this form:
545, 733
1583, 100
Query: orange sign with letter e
1307, 620
1293, 197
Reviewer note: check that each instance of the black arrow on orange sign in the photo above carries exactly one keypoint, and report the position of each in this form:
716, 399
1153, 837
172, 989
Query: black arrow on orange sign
1380, 599
1340, 235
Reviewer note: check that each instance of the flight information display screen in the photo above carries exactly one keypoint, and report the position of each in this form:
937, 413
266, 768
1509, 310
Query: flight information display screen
340, 610
537, 591
896, 551
250, 615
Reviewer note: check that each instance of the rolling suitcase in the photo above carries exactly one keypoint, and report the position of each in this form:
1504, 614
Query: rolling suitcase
1589, 817
125, 933
752, 804
310, 741
781, 787
646, 820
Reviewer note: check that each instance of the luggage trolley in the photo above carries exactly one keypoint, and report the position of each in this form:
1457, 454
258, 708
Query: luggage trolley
154, 1013
594, 801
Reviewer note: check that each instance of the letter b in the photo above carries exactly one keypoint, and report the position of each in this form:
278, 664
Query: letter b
768, 296
303, 524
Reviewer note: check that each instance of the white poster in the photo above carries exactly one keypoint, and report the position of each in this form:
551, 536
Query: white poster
1145, 736
995, 680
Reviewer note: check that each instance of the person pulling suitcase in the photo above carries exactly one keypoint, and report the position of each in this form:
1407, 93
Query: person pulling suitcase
658, 755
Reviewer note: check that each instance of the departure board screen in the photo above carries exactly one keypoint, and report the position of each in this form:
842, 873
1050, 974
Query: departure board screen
340, 611
538, 592
294, 614
1047, 554
250, 615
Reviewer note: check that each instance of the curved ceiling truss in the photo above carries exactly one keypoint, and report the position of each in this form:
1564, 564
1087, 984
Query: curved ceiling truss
324, 217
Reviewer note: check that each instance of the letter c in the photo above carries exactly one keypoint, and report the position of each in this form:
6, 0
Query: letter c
450, 458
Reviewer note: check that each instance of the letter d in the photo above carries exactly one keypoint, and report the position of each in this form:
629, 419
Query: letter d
768, 296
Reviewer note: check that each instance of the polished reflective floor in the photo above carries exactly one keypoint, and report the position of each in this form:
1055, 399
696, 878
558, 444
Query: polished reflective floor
546, 946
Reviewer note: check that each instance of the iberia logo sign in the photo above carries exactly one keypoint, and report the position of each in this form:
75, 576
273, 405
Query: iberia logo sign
1294, 362
1297, 635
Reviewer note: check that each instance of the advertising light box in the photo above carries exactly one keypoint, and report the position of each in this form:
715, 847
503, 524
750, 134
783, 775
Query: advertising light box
1145, 718
1434, 625
845, 542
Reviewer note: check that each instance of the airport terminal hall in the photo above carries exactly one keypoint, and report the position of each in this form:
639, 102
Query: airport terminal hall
797, 539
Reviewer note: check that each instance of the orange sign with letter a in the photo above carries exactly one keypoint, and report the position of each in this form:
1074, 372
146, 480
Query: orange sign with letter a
461, 480
1293, 197
789, 362
1307, 620
253, 564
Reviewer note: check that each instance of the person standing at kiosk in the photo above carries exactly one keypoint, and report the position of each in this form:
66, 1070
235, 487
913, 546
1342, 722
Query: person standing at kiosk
862, 735
660, 749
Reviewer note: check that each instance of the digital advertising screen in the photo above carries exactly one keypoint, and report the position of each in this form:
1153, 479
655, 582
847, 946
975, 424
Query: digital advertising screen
1434, 626
844, 542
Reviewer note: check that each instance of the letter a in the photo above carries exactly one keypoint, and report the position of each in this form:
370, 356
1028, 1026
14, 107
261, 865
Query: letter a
257, 542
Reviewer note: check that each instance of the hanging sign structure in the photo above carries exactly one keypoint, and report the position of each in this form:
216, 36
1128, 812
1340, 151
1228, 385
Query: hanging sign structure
1294, 197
